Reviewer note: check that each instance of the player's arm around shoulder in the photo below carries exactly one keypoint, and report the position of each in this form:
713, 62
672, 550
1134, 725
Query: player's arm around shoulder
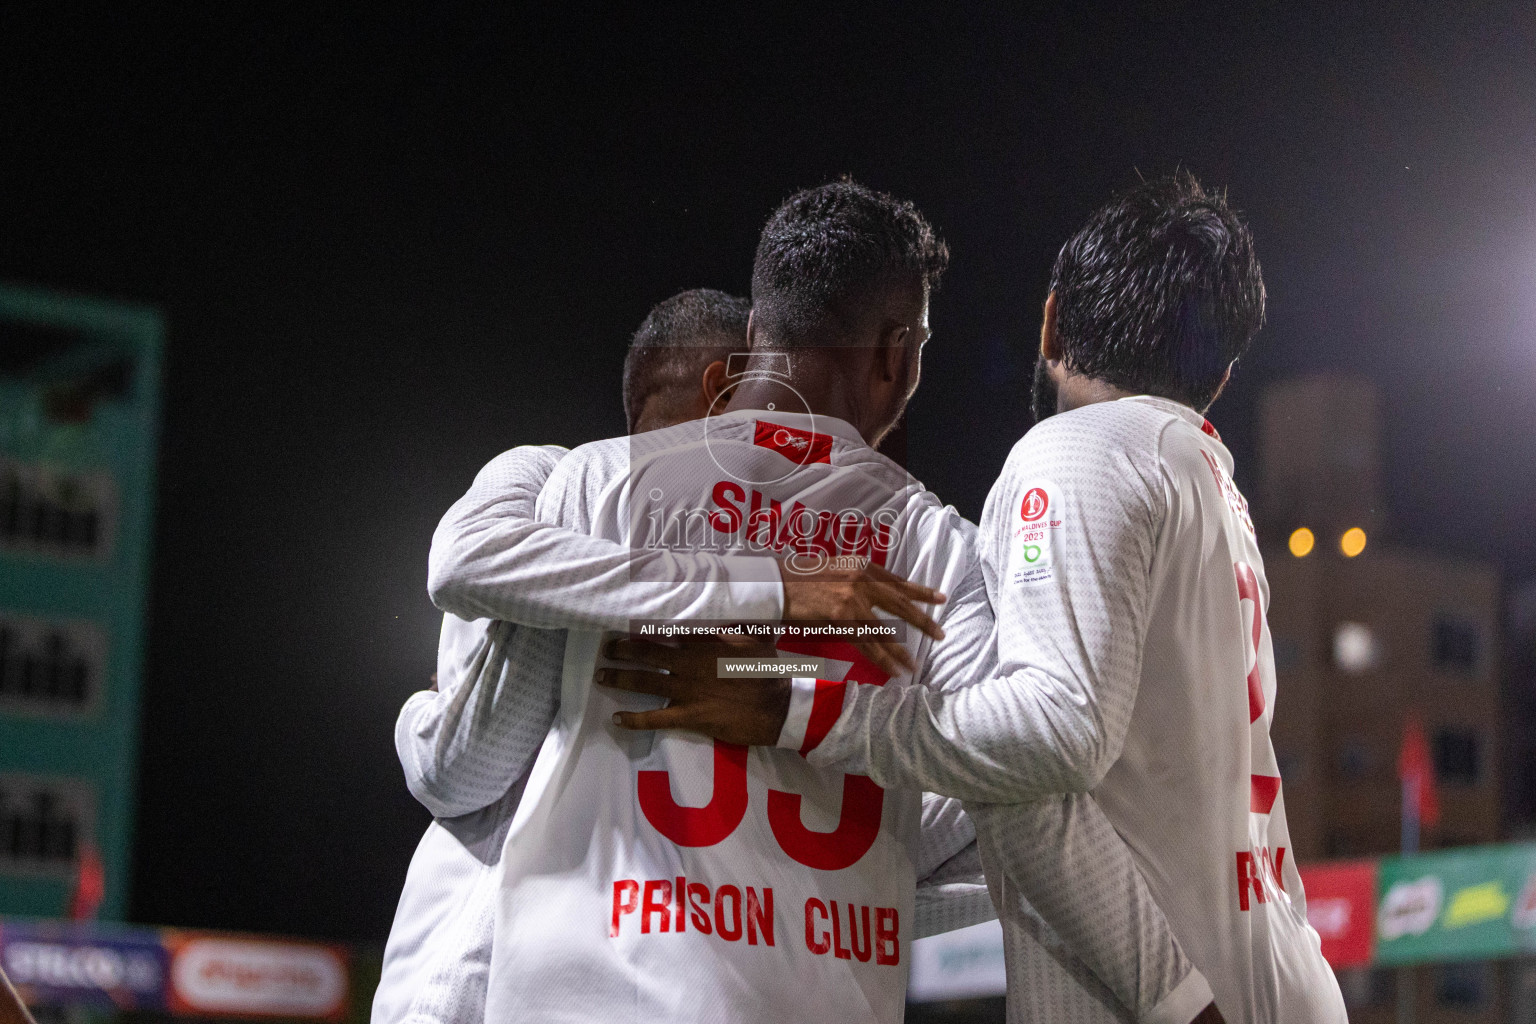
466, 566
465, 742
526, 551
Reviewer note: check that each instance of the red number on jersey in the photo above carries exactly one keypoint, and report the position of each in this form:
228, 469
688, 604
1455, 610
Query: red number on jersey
1263, 790
863, 802
1248, 590
699, 826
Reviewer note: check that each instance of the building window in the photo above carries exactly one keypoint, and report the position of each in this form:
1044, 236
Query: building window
1458, 645
1458, 757
1368, 987
1354, 759
1340, 844
1467, 986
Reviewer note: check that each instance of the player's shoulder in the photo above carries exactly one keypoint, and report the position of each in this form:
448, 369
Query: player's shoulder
940, 535
1126, 425
619, 452
942, 522
1101, 456
522, 462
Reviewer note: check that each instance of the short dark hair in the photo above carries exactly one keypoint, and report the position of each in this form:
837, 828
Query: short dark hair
1160, 291
664, 355
827, 251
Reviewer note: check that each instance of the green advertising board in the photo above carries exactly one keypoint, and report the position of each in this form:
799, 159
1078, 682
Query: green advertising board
79, 410
1475, 903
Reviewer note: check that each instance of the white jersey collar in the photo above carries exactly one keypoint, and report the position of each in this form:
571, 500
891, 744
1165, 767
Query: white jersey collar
1179, 409
813, 422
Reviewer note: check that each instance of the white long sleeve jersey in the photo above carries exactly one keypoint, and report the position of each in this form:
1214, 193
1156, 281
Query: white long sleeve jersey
467, 747
672, 878
1135, 661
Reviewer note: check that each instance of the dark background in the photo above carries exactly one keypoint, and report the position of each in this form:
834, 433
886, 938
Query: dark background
390, 246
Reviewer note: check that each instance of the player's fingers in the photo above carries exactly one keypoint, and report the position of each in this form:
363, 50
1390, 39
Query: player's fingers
635, 680
907, 588
675, 717
645, 652
888, 599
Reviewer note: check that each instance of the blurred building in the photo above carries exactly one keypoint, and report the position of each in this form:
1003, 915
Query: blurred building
79, 408
1520, 710
1366, 633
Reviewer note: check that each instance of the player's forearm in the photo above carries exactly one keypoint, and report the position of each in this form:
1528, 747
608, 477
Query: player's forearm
504, 567
949, 906
1063, 858
437, 775
1009, 739
462, 749
953, 895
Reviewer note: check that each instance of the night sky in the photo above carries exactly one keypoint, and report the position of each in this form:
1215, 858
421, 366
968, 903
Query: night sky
390, 248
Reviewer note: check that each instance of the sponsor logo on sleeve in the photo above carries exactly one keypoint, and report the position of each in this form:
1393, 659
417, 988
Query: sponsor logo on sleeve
1410, 908
1036, 501
1035, 535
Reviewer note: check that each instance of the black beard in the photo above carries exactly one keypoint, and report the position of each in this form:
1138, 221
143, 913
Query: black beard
1043, 398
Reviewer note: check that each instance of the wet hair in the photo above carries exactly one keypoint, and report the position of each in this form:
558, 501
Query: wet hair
1159, 292
828, 255
676, 340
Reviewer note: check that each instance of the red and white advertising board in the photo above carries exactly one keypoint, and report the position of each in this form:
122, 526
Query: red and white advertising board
257, 977
1341, 906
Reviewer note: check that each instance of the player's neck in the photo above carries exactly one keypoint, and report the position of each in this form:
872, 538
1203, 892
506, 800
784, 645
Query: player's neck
1076, 391
814, 385
819, 400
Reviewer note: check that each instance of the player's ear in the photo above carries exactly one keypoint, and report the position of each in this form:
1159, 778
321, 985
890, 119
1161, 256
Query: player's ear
891, 355
713, 381
751, 330
1050, 344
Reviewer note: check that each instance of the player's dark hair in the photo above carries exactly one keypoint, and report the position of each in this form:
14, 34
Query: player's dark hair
828, 252
664, 355
1160, 291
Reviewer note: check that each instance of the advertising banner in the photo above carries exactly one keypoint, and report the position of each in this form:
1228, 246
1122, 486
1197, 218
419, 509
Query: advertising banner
222, 974
56, 963
1471, 904
1341, 906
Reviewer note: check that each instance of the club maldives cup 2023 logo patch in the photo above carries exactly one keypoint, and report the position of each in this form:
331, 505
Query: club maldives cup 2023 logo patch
1035, 534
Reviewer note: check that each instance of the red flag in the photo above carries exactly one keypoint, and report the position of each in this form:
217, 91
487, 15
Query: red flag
1417, 769
90, 885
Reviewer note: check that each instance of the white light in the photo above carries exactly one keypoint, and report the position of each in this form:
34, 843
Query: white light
1354, 647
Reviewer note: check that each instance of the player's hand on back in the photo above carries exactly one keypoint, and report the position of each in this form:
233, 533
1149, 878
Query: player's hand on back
846, 596
747, 711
